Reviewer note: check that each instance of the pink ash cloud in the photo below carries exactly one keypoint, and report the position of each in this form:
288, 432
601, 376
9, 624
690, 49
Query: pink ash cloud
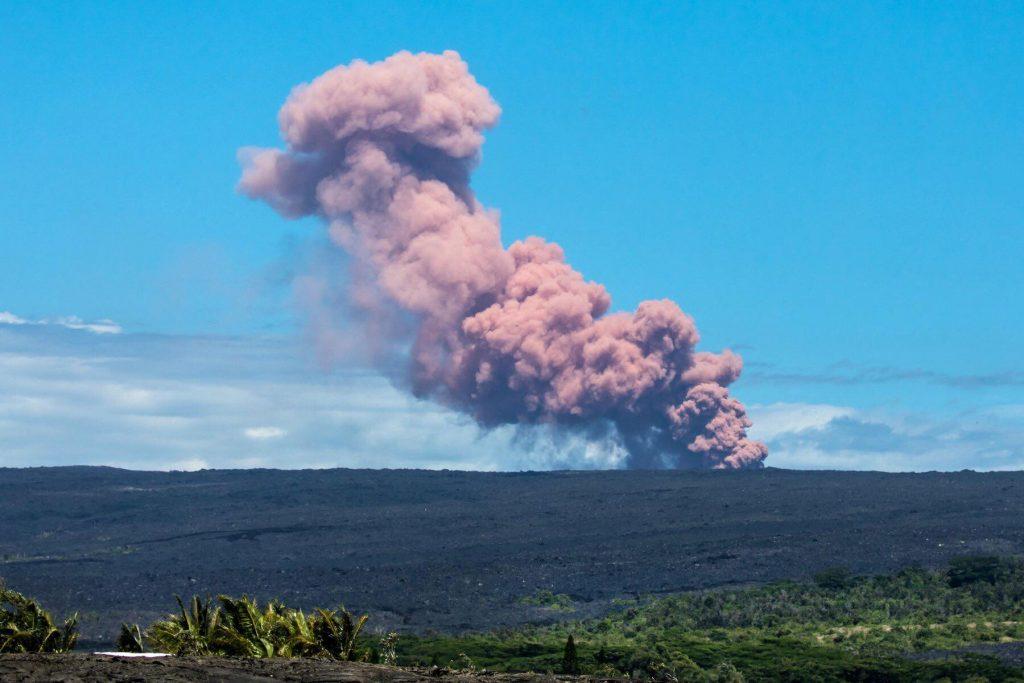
383, 153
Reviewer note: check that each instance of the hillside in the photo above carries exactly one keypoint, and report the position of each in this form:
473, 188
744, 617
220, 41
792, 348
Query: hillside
461, 550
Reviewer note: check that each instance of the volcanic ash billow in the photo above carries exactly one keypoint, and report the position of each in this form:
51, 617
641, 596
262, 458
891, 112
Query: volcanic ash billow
382, 153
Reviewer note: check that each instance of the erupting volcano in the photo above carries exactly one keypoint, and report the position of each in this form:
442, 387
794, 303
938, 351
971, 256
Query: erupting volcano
383, 153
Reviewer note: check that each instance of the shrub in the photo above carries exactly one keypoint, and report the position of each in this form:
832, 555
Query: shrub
192, 631
387, 649
725, 672
26, 627
964, 571
129, 639
245, 630
336, 633
834, 578
559, 602
239, 627
687, 671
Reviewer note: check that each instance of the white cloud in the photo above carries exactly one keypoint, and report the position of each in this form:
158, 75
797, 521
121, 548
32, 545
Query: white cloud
153, 402
99, 327
834, 437
780, 418
263, 433
7, 318
104, 326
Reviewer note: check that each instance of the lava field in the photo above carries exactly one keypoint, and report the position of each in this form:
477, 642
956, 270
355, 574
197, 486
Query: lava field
451, 551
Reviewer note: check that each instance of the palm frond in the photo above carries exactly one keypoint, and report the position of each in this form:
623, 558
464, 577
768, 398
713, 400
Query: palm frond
26, 627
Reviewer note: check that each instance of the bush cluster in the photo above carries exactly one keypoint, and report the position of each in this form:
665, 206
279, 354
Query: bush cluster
240, 627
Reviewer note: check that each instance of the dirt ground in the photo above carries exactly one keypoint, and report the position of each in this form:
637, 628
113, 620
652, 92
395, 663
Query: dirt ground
87, 668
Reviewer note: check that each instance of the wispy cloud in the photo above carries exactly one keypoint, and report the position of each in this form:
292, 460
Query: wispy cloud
834, 437
846, 373
68, 396
7, 318
264, 433
71, 322
71, 396
97, 327
772, 421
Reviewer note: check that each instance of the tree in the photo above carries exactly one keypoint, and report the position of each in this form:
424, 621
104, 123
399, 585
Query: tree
964, 571
570, 659
190, 632
725, 672
241, 627
686, 670
336, 633
247, 631
834, 578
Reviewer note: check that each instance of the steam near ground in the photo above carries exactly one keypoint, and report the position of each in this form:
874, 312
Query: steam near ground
81, 396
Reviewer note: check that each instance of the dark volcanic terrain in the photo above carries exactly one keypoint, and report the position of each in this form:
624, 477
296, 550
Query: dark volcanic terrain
459, 550
83, 668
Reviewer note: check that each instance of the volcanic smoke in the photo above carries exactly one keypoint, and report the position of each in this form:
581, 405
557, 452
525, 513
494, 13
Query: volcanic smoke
382, 153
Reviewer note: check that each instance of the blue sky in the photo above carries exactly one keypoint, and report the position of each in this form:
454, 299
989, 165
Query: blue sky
832, 189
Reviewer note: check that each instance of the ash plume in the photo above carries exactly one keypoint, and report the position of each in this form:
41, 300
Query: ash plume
382, 153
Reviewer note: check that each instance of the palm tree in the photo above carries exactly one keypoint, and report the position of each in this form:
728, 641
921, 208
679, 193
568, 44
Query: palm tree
239, 627
129, 639
247, 631
190, 632
336, 633
26, 627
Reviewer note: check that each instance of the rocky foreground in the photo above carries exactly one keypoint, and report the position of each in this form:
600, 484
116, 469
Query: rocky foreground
86, 668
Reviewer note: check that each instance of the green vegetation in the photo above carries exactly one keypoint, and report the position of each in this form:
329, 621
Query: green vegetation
240, 627
838, 627
967, 570
193, 631
570, 658
834, 578
26, 627
559, 602
130, 639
